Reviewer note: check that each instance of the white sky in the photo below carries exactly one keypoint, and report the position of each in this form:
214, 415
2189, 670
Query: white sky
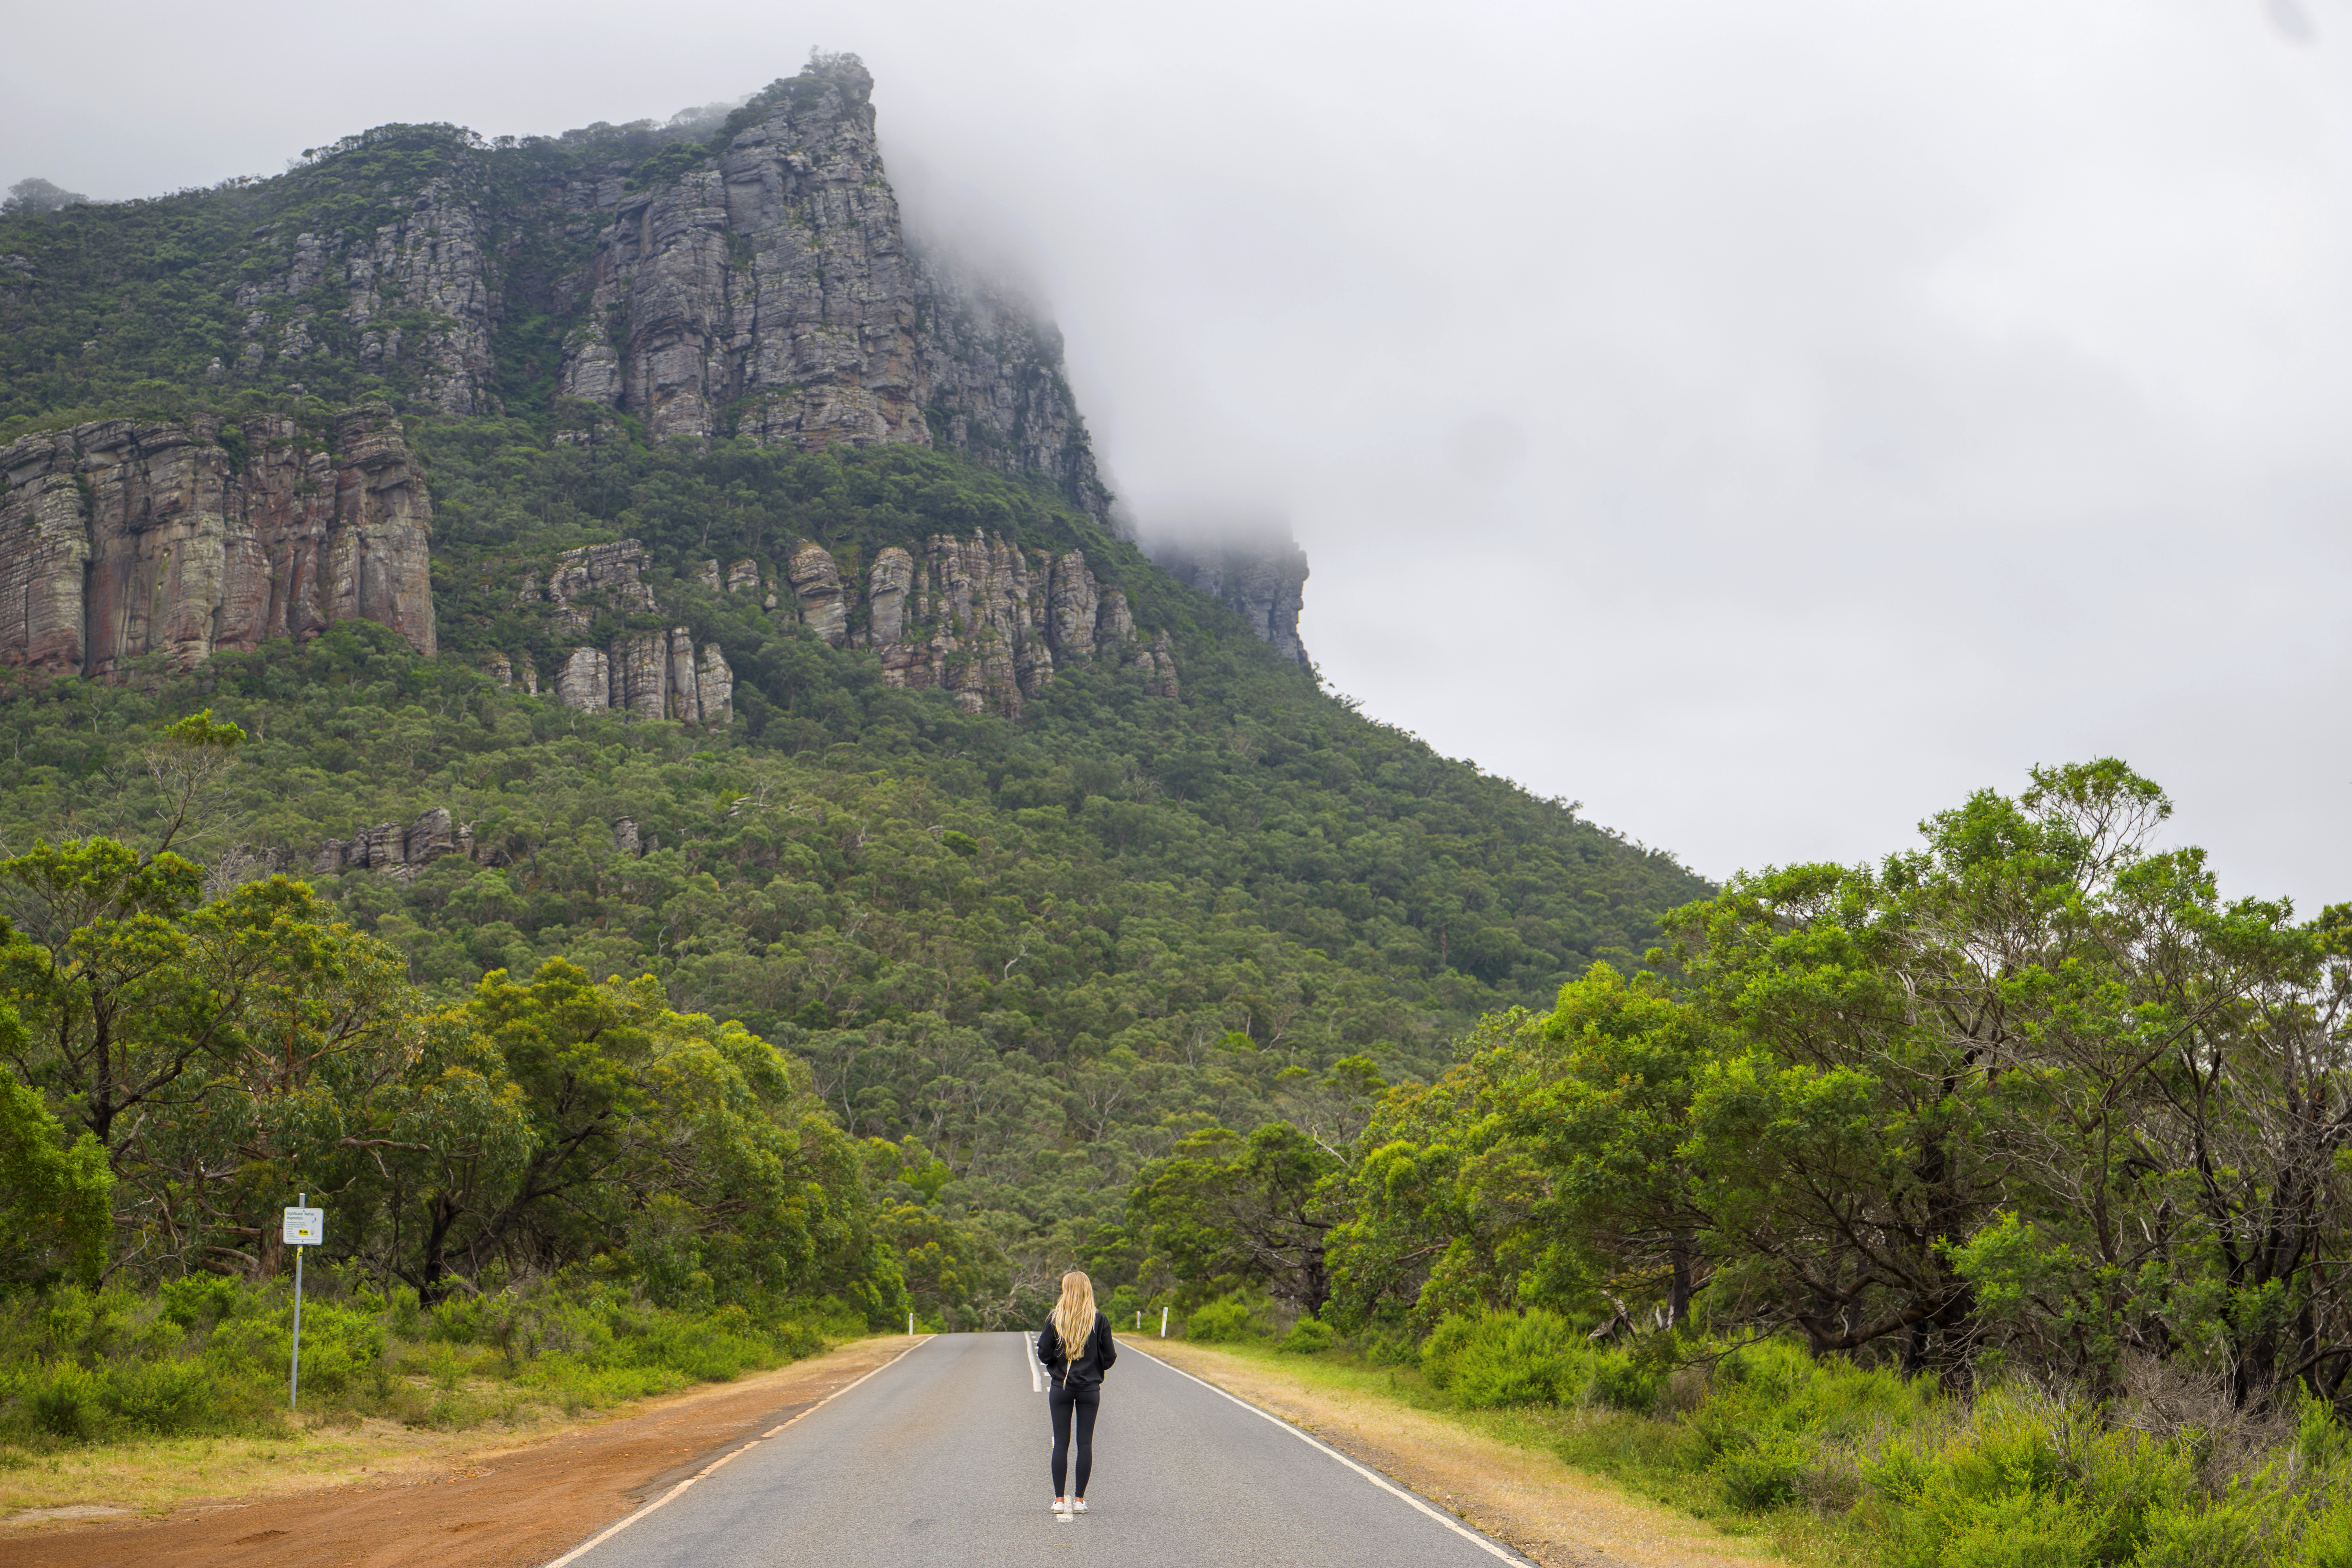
1762, 423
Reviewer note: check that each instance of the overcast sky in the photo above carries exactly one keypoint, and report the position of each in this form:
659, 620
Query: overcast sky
1764, 422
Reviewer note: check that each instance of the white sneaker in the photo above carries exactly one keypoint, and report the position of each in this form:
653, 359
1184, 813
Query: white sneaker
1060, 1509
1078, 1505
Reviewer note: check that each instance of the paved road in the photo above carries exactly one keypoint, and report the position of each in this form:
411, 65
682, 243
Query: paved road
940, 1459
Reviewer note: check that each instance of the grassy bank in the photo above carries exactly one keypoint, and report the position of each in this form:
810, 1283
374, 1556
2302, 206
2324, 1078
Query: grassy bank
1835, 1465
142, 1401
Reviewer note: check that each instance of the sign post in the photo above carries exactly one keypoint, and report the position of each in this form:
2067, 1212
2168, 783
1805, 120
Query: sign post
305, 1229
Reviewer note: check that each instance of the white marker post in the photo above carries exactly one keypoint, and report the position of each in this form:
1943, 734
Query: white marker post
305, 1227
1139, 1319
911, 1325
1163, 1322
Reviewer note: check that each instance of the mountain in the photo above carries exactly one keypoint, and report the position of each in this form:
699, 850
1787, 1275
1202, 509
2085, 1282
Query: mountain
628, 547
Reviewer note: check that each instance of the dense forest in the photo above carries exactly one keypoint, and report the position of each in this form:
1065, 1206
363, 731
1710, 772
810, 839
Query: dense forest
1031, 953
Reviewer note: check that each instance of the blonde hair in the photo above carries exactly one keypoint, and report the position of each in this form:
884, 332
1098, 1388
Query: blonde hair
1074, 1314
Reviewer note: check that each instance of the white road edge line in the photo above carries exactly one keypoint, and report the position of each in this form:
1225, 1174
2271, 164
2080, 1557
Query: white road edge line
591, 1545
1455, 1525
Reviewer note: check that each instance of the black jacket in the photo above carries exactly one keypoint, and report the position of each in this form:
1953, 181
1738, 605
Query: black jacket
1093, 1361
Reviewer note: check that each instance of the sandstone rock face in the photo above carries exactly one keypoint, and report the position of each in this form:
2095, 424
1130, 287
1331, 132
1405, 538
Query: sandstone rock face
1159, 662
994, 384
816, 584
767, 287
428, 259
1072, 604
124, 538
1264, 582
1114, 623
586, 681
395, 851
776, 292
778, 276
644, 674
982, 619
715, 683
592, 577
892, 580
639, 667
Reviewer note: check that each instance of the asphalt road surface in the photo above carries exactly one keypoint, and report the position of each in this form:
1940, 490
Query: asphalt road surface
938, 1460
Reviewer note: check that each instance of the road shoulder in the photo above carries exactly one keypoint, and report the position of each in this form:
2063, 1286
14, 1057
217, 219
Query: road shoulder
497, 1503
1558, 1517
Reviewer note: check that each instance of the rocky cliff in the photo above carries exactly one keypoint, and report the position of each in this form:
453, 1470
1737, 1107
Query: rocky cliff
644, 674
773, 295
976, 616
418, 288
124, 538
752, 280
1263, 580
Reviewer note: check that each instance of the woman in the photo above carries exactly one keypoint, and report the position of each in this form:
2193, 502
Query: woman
1076, 1348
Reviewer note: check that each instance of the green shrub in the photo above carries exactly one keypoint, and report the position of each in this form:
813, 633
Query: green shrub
1220, 1321
161, 1397
199, 1299
2028, 1530
210, 1355
1622, 1383
1306, 1337
62, 1399
1768, 1474
1507, 1358
2226, 1533
2328, 1538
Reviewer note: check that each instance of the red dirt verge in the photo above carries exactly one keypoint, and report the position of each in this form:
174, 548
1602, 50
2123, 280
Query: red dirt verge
516, 1508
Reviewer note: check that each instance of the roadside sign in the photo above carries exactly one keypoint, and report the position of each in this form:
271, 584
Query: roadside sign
305, 1227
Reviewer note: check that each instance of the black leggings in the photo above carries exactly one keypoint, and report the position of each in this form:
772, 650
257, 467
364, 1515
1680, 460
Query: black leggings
1059, 1402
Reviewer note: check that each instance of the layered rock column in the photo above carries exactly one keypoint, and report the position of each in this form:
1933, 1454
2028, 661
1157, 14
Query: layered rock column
777, 291
647, 674
124, 538
1261, 581
395, 851
779, 278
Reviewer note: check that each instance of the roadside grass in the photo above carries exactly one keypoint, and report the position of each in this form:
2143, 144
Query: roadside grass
147, 1402
155, 1477
1837, 1466
1641, 1456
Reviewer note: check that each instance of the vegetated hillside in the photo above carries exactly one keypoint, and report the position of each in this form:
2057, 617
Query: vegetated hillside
1034, 891
1043, 947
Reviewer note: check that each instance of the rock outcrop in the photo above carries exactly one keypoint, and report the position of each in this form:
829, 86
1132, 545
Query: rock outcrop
394, 851
1262, 581
816, 585
591, 578
650, 674
427, 264
994, 382
987, 621
642, 674
123, 538
977, 617
773, 294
